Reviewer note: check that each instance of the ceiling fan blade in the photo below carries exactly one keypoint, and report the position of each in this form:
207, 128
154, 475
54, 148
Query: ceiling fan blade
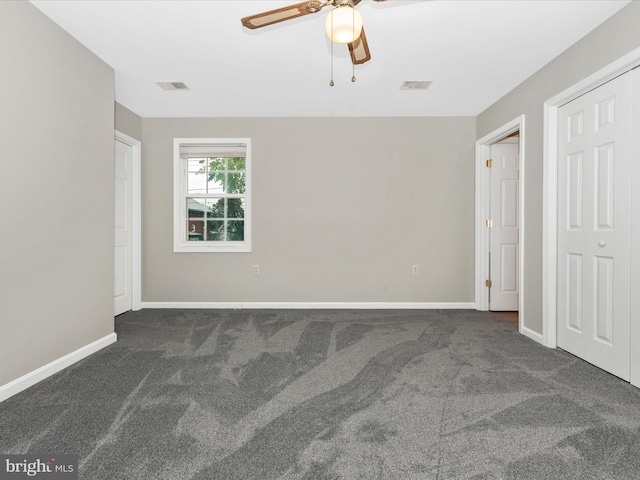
359, 50
279, 15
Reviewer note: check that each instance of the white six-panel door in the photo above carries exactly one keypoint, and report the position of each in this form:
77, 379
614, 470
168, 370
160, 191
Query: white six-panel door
593, 309
123, 228
503, 267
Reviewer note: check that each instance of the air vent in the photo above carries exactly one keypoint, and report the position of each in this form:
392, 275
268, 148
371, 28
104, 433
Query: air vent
172, 86
415, 85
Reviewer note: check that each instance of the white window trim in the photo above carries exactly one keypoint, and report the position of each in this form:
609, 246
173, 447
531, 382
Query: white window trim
180, 244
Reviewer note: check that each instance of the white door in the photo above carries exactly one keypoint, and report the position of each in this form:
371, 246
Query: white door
594, 226
503, 265
123, 228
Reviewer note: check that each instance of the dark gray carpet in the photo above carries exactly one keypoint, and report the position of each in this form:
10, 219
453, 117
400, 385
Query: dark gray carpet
299, 394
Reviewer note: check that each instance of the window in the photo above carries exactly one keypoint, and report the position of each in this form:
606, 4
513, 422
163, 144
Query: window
212, 186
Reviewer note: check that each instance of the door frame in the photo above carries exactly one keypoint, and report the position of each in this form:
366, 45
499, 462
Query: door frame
136, 217
550, 207
483, 199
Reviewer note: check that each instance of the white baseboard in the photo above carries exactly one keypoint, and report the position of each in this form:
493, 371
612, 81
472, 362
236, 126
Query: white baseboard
535, 336
30, 379
315, 305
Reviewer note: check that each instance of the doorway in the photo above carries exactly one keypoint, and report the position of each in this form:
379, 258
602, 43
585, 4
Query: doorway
511, 214
127, 221
503, 282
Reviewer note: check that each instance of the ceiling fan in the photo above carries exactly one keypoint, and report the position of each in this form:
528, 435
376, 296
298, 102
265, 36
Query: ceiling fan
344, 23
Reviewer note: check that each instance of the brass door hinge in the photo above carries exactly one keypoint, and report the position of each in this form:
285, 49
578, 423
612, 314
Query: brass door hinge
490, 163
489, 223
487, 283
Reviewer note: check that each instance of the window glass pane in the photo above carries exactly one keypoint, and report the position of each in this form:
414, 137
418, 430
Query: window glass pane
236, 183
217, 164
196, 176
215, 230
195, 230
235, 207
195, 207
215, 183
195, 165
236, 163
235, 230
215, 207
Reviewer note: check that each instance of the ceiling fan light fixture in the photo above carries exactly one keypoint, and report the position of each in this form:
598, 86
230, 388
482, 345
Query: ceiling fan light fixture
344, 24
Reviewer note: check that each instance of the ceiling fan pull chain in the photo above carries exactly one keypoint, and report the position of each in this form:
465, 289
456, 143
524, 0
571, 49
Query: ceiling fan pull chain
331, 82
353, 26
353, 69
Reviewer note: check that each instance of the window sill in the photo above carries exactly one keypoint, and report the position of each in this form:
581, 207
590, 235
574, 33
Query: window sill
191, 248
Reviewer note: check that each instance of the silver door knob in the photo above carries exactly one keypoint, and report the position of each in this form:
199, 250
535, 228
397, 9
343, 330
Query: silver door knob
601, 243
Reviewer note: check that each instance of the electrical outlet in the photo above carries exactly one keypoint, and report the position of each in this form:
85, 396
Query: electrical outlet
256, 269
414, 269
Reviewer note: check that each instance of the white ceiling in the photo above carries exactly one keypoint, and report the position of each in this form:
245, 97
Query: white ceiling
474, 51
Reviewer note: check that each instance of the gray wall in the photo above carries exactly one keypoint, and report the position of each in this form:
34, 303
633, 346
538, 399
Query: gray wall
128, 122
56, 193
342, 207
614, 38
